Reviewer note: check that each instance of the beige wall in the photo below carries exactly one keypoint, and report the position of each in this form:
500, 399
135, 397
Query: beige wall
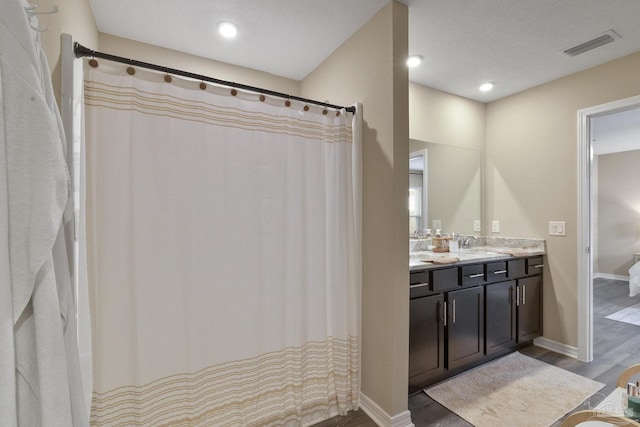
531, 173
76, 18
173, 59
441, 117
618, 211
369, 68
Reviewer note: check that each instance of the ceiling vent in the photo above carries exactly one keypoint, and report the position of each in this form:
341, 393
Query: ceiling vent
595, 42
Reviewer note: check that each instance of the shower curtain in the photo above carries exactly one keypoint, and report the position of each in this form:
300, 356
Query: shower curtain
223, 250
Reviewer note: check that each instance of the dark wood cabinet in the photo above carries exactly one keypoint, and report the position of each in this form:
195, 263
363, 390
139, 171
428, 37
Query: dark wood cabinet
426, 339
513, 313
501, 316
463, 316
529, 308
465, 326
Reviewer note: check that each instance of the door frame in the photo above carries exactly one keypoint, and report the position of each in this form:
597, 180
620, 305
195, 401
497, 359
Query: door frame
585, 226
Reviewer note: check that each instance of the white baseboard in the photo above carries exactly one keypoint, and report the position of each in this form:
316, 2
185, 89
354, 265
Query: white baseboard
380, 416
610, 276
557, 347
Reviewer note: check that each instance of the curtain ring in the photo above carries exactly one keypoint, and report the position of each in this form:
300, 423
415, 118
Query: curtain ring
167, 78
234, 92
93, 63
305, 108
262, 98
130, 70
287, 103
203, 85
324, 112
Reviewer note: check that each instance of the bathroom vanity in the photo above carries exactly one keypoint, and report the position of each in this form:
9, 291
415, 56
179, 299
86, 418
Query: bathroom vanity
463, 314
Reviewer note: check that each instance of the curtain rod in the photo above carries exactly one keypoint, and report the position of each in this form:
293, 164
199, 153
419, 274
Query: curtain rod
81, 51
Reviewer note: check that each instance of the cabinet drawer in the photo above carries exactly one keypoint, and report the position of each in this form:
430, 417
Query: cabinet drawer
516, 268
534, 265
496, 271
472, 274
419, 277
444, 279
418, 284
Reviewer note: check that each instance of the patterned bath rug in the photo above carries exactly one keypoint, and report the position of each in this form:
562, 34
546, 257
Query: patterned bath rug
515, 390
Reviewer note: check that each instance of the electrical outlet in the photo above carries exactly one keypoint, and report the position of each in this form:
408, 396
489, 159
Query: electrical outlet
557, 228
495, 226
436, 224
476, 225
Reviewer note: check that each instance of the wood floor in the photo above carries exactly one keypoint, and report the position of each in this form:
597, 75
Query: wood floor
616, 346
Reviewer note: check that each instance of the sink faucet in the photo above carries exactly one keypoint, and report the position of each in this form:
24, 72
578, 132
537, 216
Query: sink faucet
466, 243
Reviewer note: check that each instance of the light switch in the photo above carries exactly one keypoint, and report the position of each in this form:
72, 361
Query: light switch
557, 228
495, 226
476, 225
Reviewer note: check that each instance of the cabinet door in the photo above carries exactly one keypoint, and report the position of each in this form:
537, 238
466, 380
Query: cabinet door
426, 340
500, 316
529, 315
465, 326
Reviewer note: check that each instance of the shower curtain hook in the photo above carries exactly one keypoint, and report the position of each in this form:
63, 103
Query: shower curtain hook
32, 11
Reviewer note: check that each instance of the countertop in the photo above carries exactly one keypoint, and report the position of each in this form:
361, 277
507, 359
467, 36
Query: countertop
425, 260
486, 248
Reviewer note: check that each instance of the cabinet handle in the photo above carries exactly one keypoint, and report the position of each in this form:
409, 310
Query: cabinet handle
538, 266
454, 311
419, 285
524, 294
473, 276
517, 296
444, 314
500, 272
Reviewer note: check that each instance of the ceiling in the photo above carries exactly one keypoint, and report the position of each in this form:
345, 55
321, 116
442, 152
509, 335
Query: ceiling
517, 44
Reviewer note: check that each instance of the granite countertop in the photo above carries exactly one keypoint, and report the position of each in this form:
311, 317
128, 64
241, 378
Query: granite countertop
486, 249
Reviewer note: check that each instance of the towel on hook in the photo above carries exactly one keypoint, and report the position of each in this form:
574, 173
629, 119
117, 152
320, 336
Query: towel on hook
38, 356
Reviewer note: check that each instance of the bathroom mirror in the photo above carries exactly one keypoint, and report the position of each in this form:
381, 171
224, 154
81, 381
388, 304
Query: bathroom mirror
444, 187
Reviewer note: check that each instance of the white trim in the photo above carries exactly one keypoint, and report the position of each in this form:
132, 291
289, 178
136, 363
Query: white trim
380, 416
556, 347
585, 262
424, 206
585, 289
610, 276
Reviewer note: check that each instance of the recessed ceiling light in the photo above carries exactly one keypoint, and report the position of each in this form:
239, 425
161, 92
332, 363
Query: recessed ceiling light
227, 29
414, 60
485, 87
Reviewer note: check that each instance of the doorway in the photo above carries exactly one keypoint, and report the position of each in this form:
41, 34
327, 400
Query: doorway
586, 223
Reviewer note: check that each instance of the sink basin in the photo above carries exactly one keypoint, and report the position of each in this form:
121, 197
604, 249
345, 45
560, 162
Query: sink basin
478, 249
475, 255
